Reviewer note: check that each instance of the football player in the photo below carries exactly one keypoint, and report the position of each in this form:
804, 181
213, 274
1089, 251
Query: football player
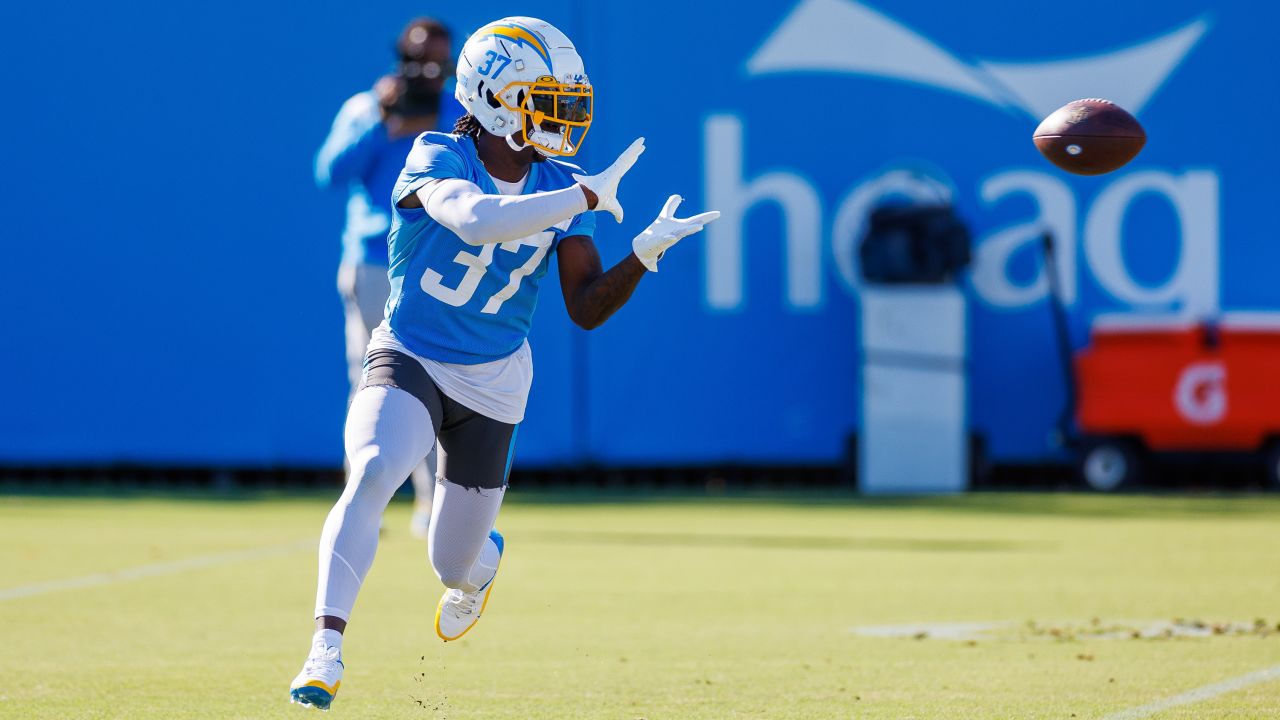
477, 216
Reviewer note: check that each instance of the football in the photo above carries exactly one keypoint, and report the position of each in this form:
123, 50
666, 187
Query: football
1090, 137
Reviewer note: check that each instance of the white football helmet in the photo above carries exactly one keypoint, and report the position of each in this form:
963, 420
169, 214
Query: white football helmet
523, 80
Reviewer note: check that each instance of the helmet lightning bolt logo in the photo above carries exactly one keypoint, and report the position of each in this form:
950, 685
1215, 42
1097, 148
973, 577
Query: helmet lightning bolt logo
521, 36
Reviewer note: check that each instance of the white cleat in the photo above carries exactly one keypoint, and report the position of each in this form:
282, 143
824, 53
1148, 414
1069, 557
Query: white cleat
458, 611
320, 678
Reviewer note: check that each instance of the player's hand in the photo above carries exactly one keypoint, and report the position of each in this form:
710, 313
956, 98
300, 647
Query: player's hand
605, 185
666, 231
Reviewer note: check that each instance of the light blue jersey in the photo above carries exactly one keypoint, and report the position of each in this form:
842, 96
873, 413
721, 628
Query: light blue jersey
459, 303
360, 157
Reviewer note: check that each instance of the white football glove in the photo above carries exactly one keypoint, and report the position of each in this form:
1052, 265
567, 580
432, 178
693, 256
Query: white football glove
667, 231
605, 185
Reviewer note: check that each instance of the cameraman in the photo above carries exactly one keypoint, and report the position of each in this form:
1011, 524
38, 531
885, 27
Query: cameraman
364, 154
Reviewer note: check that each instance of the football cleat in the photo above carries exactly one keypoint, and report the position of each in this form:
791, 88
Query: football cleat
320, 678
458, 610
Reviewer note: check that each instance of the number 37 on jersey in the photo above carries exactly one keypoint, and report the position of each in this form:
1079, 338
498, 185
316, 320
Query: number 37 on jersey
478, 266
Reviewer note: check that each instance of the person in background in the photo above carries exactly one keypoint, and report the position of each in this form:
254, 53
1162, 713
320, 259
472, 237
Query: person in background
363, 154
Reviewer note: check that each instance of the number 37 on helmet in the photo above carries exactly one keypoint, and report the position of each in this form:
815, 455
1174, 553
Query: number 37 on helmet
523, 80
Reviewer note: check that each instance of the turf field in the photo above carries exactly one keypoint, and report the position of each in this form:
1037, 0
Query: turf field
986, 606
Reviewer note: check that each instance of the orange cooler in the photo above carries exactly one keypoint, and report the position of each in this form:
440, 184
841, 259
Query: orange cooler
1181, 385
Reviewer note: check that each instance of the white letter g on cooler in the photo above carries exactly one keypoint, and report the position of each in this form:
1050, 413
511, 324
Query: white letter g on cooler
1201, 393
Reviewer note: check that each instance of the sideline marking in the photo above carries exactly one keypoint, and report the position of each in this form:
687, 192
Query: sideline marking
145, 571
1199, 694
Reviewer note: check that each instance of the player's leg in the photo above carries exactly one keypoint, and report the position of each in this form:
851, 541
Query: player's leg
464, 547
388, 432
390, 428
370, 289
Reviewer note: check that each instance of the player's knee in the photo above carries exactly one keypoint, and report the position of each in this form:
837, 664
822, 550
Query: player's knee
452, 574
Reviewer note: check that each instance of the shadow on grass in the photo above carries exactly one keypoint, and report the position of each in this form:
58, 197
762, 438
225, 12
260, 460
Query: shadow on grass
1164, 505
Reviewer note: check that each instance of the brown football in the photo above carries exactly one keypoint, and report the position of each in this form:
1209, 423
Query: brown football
1090, 137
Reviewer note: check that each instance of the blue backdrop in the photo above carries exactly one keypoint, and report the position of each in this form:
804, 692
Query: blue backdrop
168, 267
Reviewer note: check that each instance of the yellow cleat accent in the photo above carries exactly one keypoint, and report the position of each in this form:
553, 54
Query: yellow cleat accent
483, 605
316, 683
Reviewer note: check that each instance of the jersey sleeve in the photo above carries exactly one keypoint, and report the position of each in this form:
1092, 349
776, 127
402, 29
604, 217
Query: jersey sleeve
428, 160
581, 224
353, 142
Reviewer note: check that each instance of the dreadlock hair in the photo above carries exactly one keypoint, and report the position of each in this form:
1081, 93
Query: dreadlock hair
468, 126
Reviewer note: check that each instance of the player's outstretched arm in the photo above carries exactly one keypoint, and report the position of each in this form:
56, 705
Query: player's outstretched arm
481, 219
592, 295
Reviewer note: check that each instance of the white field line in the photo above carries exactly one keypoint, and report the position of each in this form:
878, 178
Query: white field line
146, 571
978, 630
1199, 694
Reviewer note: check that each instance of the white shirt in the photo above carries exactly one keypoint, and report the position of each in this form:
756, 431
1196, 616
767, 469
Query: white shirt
510, 188
498, 389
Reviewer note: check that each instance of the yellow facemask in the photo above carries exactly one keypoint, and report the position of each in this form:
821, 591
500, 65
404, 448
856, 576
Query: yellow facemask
557, 115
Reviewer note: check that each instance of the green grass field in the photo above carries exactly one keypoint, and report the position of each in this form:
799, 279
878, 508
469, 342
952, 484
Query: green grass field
686, 609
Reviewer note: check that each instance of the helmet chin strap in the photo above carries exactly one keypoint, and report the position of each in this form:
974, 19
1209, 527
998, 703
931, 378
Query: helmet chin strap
518, 146
515, 144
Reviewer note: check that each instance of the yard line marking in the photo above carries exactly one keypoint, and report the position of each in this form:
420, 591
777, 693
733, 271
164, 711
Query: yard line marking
1199, 694
146, 571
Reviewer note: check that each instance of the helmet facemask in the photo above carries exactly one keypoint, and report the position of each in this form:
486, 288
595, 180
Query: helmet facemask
556, 116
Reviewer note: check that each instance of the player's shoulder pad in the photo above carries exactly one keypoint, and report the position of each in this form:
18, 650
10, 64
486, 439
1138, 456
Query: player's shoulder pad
448, 140
433, 147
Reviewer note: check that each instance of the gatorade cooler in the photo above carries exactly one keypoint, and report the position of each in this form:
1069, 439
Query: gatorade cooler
1158, 384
